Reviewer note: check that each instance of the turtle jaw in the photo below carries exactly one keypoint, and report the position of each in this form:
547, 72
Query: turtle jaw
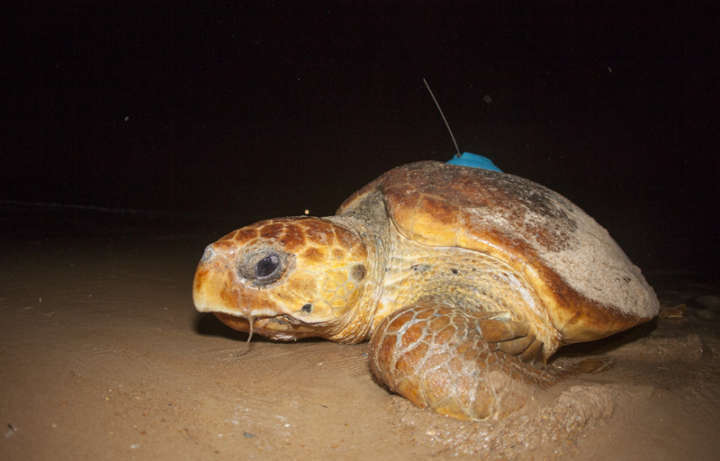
266, 322
276, 327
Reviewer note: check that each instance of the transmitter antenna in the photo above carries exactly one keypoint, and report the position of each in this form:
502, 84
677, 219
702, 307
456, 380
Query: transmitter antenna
447, 125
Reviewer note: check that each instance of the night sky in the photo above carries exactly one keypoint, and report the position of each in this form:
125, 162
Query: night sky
247, 112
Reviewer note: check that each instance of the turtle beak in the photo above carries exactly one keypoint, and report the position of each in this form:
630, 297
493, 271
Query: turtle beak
211, 276
215, 288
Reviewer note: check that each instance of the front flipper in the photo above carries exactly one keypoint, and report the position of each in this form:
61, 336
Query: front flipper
464, 365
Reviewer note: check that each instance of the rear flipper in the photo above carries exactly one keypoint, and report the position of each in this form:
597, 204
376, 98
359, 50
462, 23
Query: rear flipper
464, 365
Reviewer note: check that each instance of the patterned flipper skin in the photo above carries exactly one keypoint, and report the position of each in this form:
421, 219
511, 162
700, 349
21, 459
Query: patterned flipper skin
456, 362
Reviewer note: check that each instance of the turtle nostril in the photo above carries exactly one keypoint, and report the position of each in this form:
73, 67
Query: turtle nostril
207, 254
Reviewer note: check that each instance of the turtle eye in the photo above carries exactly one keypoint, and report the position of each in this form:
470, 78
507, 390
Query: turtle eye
267, 266
263, 267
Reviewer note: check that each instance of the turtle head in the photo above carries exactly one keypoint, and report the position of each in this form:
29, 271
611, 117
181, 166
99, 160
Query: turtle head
290, 277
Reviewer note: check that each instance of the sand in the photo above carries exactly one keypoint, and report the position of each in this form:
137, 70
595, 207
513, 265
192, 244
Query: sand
103, 357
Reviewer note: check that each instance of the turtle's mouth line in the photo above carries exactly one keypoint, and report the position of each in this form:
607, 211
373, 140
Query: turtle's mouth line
281, 327
274, 318
262, 314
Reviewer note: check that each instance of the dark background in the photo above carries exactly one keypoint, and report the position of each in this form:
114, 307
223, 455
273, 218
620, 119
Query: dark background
238, 113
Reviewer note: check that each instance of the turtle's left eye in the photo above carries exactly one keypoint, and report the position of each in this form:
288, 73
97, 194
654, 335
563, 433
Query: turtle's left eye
267, 266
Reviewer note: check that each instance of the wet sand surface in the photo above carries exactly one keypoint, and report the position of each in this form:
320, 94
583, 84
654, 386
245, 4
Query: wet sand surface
103, 357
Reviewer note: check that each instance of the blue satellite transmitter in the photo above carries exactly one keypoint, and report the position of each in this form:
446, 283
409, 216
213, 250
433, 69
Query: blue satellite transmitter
466, 158
474, 161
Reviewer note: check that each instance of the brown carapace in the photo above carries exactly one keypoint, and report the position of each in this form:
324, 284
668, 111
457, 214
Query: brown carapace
464, 280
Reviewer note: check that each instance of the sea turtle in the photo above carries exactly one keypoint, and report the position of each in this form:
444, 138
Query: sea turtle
464, 280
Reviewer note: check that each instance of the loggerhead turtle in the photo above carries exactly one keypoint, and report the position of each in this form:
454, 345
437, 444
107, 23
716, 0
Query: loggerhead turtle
464, 280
